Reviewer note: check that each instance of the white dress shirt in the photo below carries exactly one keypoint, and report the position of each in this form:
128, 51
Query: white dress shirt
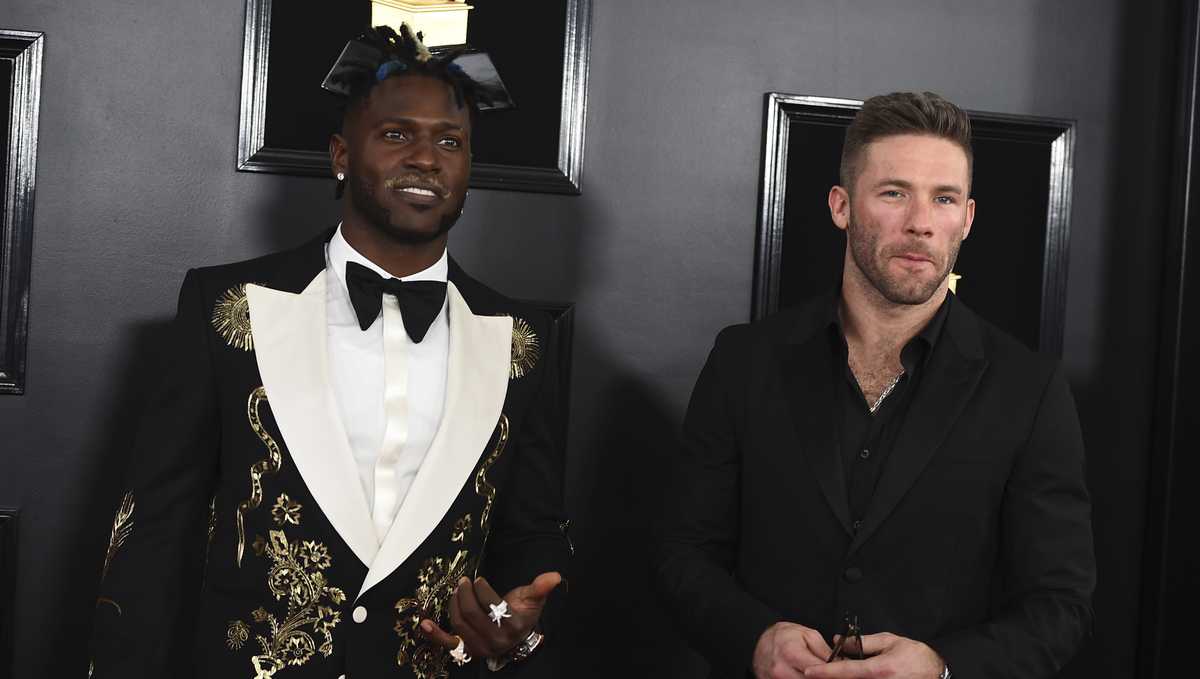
390, 391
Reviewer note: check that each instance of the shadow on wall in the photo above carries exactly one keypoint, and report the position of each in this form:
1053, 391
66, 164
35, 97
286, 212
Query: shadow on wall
619, 628
622, 434
1114, 391
291, 212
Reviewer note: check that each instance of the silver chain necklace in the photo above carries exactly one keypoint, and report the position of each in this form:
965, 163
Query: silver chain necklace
887, 390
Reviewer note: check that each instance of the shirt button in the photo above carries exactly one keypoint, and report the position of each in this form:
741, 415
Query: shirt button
360, 614
853, 574
857, 525
865, 453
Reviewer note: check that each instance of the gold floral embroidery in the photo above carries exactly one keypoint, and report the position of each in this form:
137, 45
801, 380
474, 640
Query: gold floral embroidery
438, 578
122, 527
462, 528
236, 635
212, 518
525, 349
286, 510
231, 318
270, 465
296, 574
436, 582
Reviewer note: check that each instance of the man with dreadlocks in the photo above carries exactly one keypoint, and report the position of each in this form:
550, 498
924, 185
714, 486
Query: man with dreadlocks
363, 428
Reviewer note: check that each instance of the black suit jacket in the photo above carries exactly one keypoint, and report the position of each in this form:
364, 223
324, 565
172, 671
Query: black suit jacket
244, 546
977, 540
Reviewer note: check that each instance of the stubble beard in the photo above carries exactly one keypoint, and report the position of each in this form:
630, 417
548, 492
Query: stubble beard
380, 218
872, 262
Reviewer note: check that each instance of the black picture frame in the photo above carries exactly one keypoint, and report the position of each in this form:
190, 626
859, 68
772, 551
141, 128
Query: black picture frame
802, 143
8, 586
285, 118
20, 78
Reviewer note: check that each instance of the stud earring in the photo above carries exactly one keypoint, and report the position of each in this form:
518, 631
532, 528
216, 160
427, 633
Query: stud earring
341, 176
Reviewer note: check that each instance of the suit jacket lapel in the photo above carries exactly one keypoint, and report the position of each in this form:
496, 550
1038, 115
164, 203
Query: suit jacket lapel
949, 380
290, 337
476, 386
807, 376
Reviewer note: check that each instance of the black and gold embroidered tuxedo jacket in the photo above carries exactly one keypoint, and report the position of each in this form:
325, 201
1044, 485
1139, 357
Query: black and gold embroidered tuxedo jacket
245, 547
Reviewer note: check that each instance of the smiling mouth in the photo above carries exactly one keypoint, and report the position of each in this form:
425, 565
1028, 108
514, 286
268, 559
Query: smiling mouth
418, 191
423, 192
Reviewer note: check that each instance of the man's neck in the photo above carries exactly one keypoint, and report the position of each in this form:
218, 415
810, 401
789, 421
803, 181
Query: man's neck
398, 258
877, 327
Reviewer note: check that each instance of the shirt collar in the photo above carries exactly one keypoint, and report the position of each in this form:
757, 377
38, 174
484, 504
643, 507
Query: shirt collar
340, 251
917, 351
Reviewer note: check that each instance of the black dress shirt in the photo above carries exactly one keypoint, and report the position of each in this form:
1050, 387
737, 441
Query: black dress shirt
866, 438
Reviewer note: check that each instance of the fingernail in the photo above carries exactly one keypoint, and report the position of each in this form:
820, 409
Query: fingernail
427, 626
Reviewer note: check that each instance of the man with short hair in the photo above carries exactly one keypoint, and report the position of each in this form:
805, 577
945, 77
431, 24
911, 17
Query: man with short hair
879, 483
363, 428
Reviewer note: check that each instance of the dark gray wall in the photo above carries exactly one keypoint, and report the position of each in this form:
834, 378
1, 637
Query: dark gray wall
136, 183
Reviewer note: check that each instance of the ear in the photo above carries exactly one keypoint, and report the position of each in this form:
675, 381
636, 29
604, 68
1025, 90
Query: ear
970, 218
339, 153
839, 207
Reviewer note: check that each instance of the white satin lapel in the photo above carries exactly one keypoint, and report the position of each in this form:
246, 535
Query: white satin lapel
476, 386
290, 344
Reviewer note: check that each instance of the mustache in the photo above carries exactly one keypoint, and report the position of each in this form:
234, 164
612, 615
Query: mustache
418, 181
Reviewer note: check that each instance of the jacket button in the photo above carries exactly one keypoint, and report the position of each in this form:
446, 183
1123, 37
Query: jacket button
360, 614
853, 574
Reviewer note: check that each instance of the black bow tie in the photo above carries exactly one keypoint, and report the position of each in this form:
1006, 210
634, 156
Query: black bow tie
420, 301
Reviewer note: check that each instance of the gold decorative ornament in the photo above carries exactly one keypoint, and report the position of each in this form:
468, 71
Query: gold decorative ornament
122, 527
436, 582
212, 518
286, 510
231, 318
525, 349
297, 576
439, 576
482, 487
236, 635
270, 465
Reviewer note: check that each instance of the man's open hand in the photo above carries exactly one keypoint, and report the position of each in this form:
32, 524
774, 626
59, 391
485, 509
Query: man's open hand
786, 649
470, 609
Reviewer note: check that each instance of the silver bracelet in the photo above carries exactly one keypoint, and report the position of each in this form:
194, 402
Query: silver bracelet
522, 651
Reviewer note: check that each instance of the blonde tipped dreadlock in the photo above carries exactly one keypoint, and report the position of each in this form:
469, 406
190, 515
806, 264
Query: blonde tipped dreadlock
418, 40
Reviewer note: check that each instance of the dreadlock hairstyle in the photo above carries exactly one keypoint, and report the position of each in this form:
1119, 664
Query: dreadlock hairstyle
390, 54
